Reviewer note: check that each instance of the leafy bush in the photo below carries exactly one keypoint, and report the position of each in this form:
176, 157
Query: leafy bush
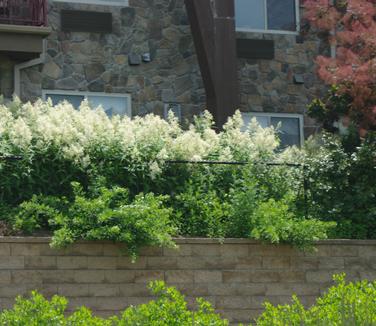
343, 304
60, 145
170, 308
273, 222
255, 215
37, 311
341, 186
253, 208
108, 215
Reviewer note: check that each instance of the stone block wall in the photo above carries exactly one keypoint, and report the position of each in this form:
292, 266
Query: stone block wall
236, 276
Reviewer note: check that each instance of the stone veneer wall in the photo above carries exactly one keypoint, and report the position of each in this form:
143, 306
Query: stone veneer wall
99, 63
269, 86
237, 276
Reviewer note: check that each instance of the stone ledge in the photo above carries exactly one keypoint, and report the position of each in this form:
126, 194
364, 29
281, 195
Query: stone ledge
346, 242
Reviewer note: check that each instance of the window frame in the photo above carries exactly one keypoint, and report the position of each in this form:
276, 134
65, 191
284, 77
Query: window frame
271, 115
126, 96
274, 31
123, 3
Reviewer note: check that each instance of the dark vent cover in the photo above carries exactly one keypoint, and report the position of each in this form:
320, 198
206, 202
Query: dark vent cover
255, 49
86, 21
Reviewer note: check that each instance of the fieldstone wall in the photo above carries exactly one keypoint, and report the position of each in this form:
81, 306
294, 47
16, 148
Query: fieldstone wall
236, 276
99, 63
286, 84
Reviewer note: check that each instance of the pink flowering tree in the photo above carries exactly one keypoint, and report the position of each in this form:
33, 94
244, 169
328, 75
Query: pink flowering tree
351, 28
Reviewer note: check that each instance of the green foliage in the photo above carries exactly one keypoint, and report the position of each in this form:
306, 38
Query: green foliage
344, 304
330, 109
273, 222
140, 222
108, 214
129, 153
255, 207
255, 215
201, 214
201, 209
106, 156
341, 186
37, 311
169, 309
37, 213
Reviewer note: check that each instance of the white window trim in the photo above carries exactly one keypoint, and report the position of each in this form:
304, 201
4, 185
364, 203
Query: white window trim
127, 97
123, 3
281, 115
273, 31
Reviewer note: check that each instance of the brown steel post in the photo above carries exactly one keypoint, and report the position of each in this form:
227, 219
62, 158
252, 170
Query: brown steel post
213, 28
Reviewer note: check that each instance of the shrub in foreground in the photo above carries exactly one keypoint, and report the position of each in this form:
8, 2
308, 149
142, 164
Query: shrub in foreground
343, 305
168, 309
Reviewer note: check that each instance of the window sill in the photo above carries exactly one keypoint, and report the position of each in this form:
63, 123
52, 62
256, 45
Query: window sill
124, 3
265, 31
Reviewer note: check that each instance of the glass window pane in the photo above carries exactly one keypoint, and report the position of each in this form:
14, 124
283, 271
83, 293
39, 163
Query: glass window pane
111, 105
289, 130
263, 121
250, 14
75, 100
281, 15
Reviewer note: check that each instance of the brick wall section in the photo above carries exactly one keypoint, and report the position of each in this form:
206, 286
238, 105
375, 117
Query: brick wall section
237, 276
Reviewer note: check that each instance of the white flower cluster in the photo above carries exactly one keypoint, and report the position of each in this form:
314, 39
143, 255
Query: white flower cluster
77, 135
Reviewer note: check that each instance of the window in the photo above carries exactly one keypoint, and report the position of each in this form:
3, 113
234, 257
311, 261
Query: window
175, 108
290, 126
122, 3
112, 104
279, 16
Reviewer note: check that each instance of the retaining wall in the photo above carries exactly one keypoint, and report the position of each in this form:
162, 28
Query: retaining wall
237, 276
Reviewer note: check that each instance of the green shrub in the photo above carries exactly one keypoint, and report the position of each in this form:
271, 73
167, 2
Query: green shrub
255, 216
121, 153
168, 309
201, 209
37, 213
341, 186
343, 305
107, 215
37, 311
60, 145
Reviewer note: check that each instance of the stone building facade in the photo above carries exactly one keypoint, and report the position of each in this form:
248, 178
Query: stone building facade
160, 30
97, 62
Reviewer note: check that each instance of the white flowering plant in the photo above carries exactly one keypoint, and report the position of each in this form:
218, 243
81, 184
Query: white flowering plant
60, 146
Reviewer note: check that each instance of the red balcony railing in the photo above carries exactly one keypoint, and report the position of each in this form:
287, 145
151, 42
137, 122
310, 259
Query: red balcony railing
23, 12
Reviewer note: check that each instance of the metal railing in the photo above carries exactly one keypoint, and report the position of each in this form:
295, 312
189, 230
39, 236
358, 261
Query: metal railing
23, 12
10, 158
